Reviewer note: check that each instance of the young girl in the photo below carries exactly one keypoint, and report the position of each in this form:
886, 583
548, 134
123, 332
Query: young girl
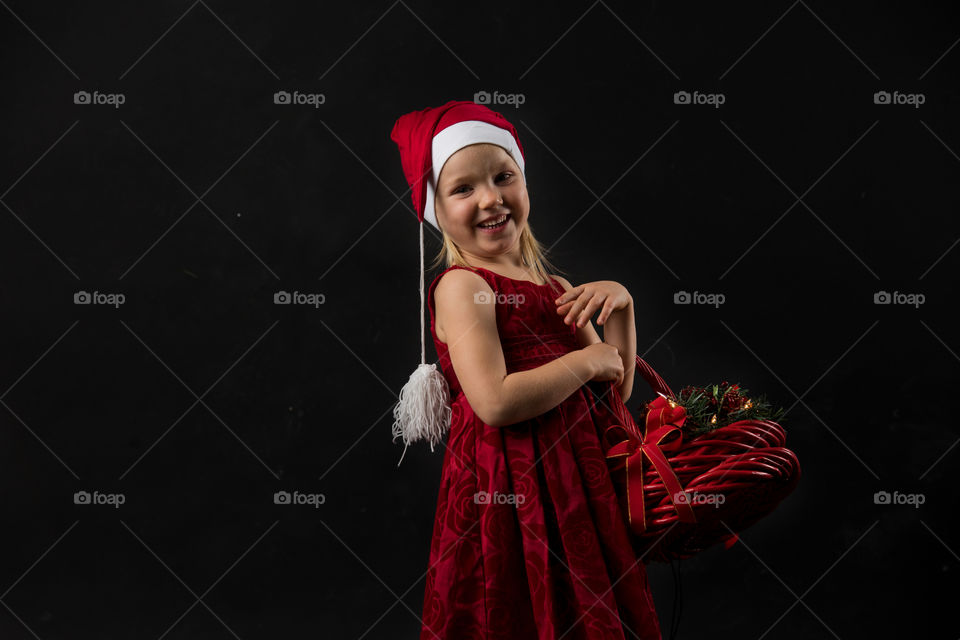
529, 540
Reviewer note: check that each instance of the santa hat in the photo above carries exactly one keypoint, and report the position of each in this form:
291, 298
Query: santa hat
426, 140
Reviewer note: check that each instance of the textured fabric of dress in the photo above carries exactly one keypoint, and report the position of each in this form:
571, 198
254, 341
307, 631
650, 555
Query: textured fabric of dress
529, 541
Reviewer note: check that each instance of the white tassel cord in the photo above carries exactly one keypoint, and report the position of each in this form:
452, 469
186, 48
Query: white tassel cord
423, 411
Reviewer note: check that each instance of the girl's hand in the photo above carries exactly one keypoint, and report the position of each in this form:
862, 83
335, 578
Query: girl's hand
580, 303
606, 362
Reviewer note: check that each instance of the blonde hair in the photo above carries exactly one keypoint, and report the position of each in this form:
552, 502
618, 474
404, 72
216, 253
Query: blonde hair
533, 254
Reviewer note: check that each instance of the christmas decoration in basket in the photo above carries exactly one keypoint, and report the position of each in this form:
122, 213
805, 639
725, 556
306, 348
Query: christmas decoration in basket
703, 466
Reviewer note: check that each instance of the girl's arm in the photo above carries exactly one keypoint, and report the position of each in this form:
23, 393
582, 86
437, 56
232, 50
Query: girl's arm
619, 330
466, 314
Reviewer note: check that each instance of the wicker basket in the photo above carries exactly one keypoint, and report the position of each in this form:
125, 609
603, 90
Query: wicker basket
681, 497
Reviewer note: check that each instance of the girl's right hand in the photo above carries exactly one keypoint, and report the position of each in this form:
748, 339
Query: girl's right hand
606, 362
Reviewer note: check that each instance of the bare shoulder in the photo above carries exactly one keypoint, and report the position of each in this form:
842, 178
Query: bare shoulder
458, 285
563, 281
454, 296
458, 278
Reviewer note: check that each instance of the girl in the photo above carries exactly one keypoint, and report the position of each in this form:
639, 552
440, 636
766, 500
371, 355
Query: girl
529, 540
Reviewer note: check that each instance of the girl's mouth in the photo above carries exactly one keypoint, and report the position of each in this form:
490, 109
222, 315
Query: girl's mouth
496, 228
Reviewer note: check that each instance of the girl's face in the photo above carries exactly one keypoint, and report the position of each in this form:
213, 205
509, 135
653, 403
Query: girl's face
480, 184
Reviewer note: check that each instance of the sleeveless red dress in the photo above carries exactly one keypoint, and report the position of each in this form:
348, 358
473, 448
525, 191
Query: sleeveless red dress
543, 553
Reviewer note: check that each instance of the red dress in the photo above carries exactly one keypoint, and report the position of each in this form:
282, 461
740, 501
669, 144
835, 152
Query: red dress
546, 554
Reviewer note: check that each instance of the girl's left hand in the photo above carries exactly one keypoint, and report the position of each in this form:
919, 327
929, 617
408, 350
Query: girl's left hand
580, 303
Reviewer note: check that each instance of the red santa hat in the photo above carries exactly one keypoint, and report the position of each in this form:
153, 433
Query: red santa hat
426, 140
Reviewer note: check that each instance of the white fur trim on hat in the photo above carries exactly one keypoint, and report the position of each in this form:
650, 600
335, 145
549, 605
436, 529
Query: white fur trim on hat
456, 137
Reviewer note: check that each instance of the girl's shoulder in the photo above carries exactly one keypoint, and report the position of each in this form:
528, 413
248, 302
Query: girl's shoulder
461, 275
563, 281
467, 277
460, 283
458, 278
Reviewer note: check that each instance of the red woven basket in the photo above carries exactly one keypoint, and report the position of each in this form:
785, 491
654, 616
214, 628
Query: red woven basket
681, 497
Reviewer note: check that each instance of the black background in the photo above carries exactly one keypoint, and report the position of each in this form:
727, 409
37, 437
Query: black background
199, 198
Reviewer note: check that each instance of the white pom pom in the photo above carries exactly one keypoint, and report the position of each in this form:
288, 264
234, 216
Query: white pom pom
423, 412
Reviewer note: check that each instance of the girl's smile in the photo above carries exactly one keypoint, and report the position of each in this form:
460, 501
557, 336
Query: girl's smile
495, 225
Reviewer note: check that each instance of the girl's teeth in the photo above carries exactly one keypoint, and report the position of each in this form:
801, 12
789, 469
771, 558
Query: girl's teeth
489, 226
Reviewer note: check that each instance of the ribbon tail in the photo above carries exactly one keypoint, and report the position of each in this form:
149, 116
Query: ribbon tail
636, 510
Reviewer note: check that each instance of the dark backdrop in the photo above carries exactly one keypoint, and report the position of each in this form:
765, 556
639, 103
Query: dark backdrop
199, 198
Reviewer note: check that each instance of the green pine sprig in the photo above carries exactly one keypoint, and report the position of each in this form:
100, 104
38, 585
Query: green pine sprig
714, 406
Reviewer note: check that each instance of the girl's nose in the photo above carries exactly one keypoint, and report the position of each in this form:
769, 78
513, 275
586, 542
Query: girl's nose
491, 198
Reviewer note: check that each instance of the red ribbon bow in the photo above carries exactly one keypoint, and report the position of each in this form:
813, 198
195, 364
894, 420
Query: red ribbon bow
662, 433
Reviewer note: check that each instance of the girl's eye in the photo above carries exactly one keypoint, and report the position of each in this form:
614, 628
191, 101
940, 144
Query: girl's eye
503, 176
